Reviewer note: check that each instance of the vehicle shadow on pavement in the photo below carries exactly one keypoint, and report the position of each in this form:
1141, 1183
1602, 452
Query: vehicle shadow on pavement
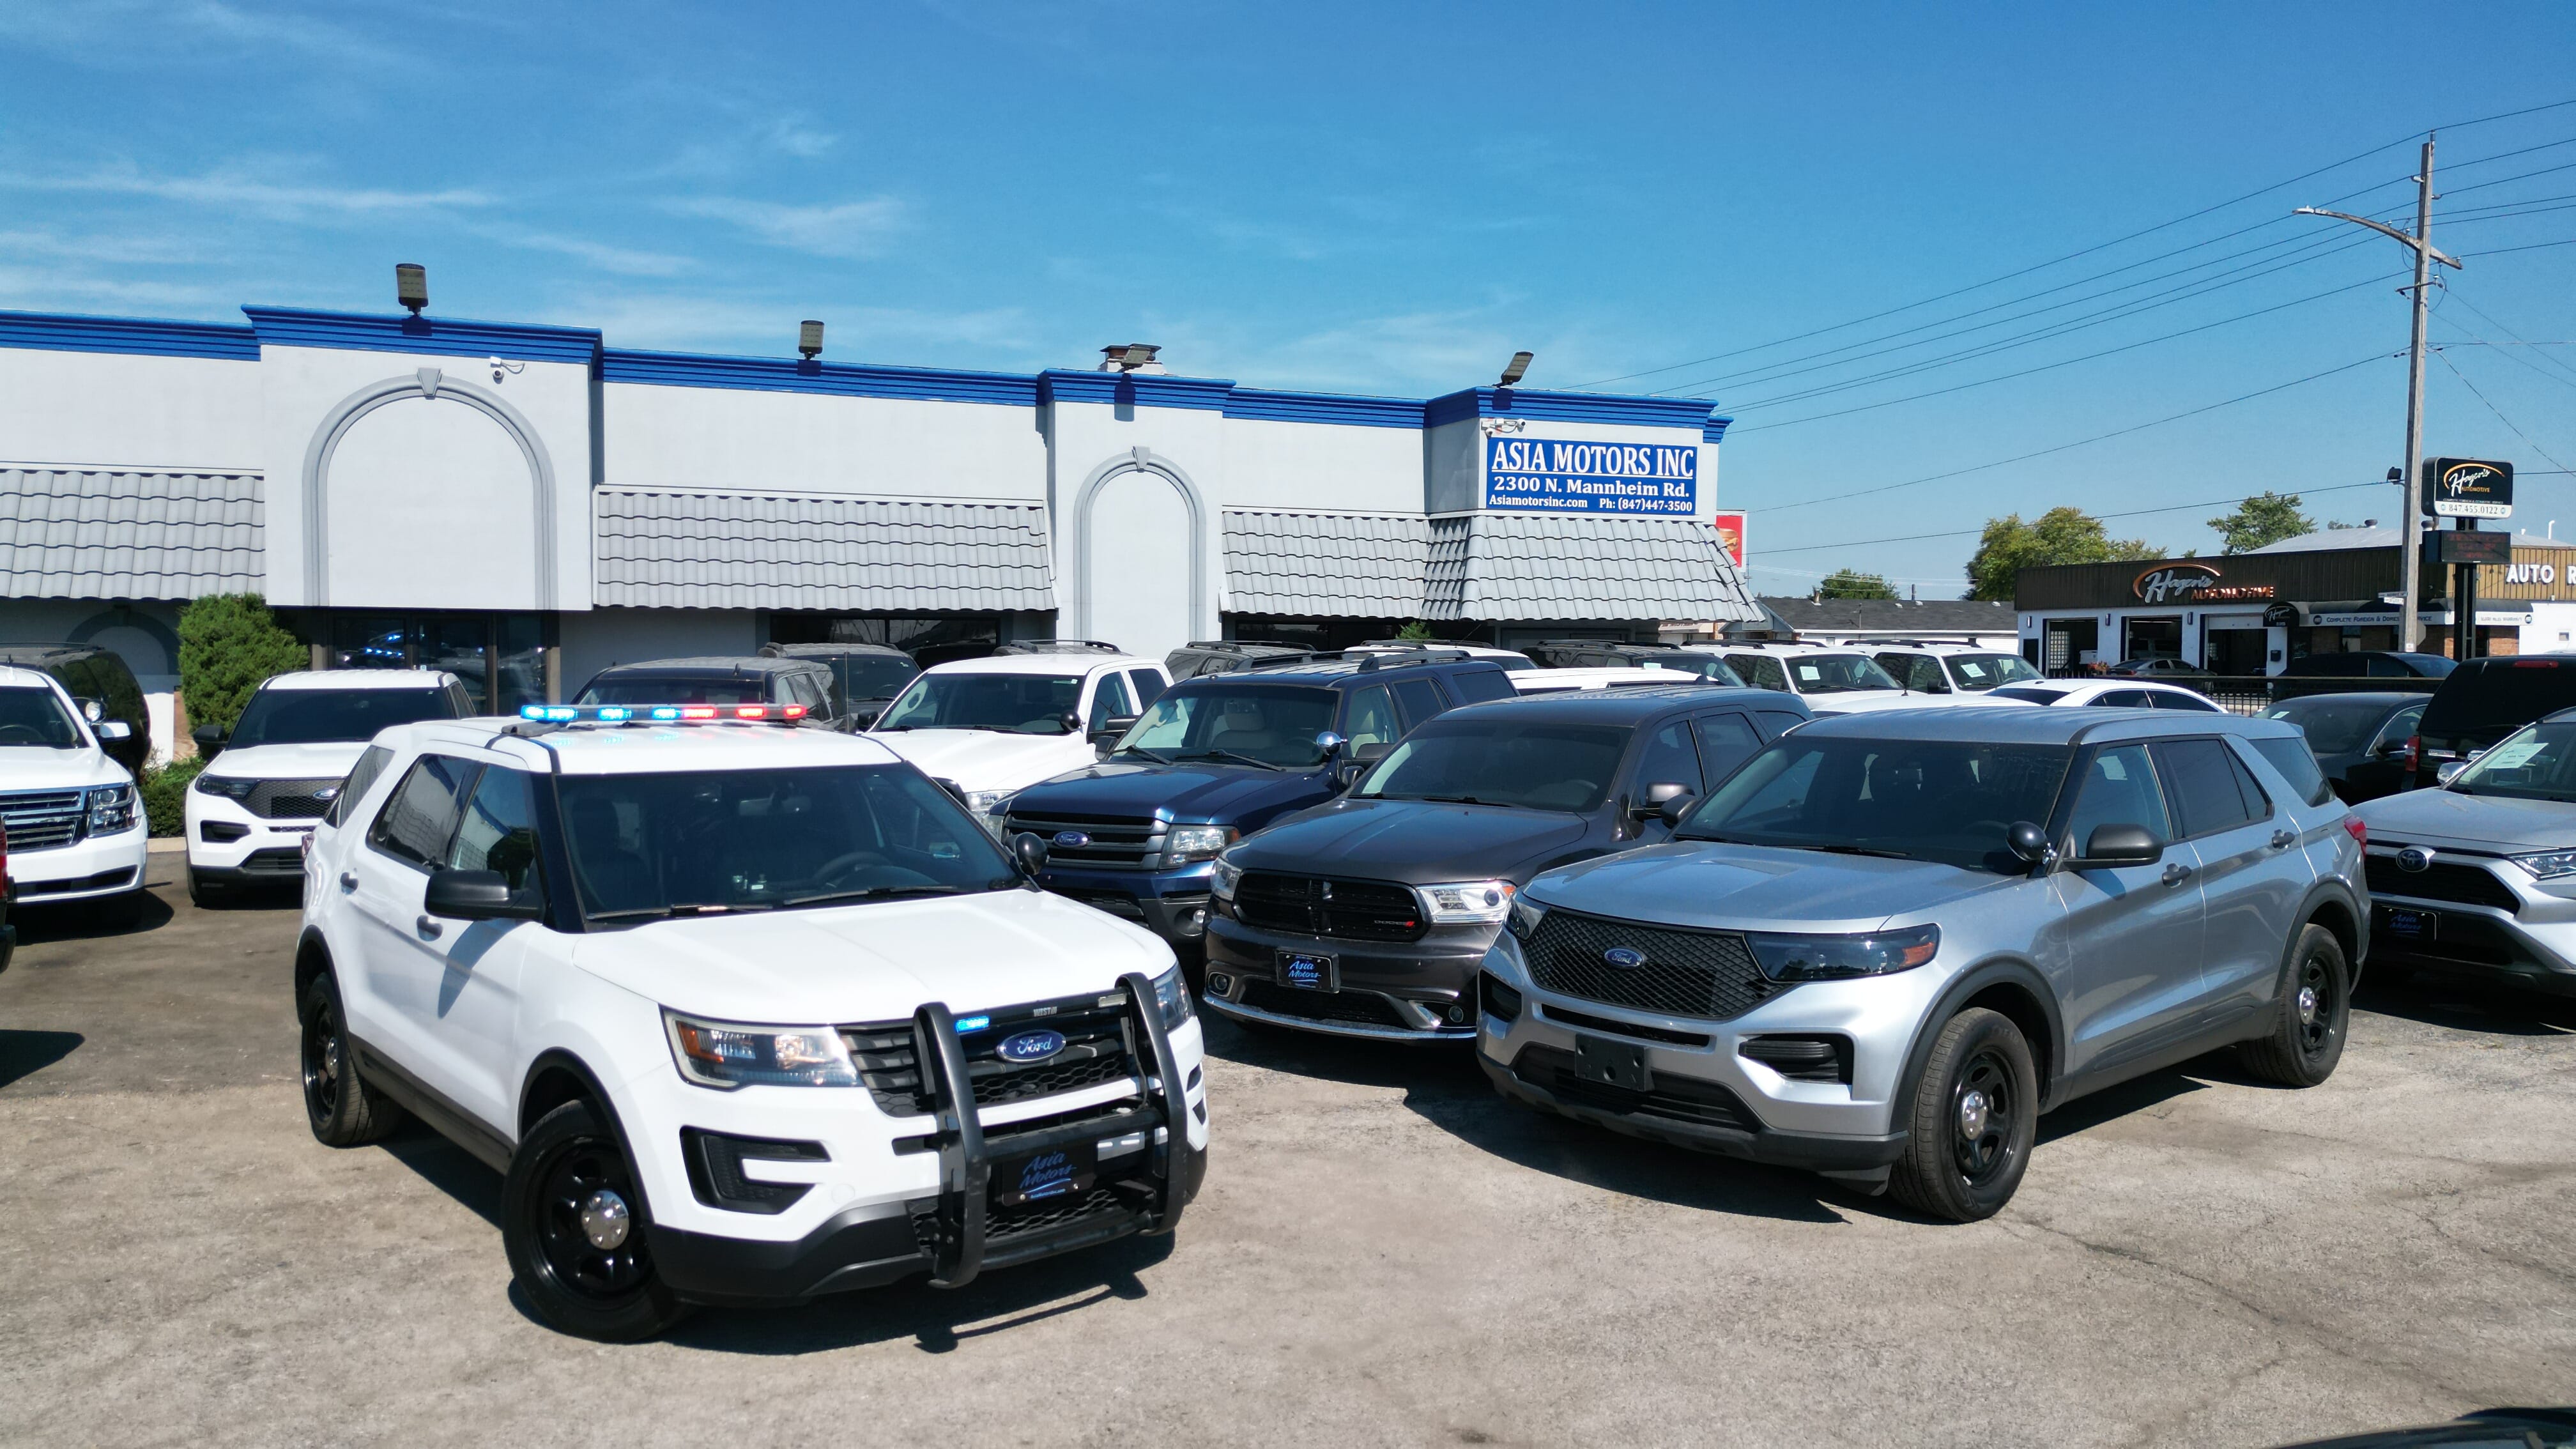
1443, 1085
2135, 1095
936, 1320
126, 915
25, 1053
2464, 1003
449, 1168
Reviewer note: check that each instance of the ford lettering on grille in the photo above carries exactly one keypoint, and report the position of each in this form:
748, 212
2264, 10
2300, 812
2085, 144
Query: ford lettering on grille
1071, 839
1031, 1046
1626, 958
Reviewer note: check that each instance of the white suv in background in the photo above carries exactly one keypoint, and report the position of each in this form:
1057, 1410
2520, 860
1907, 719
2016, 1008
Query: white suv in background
712, 995
990, 728
283, 762
1831, 678
76, 829
1952, 668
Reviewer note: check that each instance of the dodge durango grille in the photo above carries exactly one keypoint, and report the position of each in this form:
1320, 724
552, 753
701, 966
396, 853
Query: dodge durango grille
1355, 910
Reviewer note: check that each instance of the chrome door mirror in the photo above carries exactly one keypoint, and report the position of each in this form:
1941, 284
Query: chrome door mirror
2450, 771
114, 729
1329, 745
91, 710
1660, 802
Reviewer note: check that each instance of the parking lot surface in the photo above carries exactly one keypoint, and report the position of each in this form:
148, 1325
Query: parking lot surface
1385, 1253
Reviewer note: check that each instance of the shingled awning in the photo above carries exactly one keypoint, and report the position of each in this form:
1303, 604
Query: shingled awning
733, 550
84, 534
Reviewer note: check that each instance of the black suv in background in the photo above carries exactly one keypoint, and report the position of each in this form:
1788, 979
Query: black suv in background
1608, 654
722, 680
90, 671
2334, 673
1220, 756
2481, 702
865, 677
1369, 915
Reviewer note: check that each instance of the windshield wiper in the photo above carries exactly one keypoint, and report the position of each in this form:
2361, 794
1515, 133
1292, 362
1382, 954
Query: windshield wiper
1227, 755
871, 893
1448, 800
1156, 756
1856, 850
691, 910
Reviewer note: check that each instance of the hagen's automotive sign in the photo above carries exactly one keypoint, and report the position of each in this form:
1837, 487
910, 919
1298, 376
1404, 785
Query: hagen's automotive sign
1525, 475
2191, 583
2468, 488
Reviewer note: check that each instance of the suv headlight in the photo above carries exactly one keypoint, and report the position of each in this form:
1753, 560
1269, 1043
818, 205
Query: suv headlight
1185, 843
1524, 918
727, 1055
1172, 999
111, 809
2547, 864
1468, 902
1223, 877
1838, 958
228, 786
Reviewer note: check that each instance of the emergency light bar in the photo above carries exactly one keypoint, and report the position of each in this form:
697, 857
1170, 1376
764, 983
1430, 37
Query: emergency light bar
657, 713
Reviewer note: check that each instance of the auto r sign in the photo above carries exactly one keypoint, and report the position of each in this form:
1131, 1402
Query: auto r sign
2468, 488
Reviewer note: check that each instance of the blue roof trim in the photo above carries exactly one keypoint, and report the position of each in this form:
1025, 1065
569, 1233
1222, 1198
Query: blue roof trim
143, 336
438, 336
1324, 407
1207, 394
1567, 407
1715, 428
836, 379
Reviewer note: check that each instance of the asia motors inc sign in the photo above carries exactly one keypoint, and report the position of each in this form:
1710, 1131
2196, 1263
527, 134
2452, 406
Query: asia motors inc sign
1541, 475
2192, 582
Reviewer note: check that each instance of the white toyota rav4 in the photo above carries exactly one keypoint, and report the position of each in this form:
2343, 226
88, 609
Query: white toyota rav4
712, 994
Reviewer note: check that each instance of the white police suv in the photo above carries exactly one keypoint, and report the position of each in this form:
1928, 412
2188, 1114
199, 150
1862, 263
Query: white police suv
746, 1012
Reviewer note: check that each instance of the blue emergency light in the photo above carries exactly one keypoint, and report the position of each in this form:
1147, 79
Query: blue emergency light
682, 713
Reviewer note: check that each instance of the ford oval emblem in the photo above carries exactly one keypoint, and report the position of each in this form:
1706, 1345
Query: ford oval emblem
1031, 1046
327, 792
1626, 958
1070, 840
2415, 857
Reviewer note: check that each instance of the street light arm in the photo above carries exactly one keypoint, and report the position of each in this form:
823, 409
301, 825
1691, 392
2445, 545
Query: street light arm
2384, 229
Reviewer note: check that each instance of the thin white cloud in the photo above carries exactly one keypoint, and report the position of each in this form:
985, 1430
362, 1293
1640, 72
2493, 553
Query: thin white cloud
247, 189
121, 250
847, 229
798, 139
70, 290
624, 261
122, 31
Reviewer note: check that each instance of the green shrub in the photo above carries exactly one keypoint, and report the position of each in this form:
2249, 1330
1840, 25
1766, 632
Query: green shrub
1415, 631
228, 645
165, 794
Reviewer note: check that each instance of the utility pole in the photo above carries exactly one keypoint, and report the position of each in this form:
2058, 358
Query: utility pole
2410, 624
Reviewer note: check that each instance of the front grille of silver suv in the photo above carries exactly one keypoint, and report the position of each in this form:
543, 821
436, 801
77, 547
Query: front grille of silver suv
1708, 975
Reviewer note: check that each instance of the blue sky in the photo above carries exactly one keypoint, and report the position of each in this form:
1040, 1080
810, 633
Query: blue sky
1376, 198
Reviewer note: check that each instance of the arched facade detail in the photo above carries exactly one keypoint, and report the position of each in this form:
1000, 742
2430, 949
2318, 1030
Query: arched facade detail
1137, 460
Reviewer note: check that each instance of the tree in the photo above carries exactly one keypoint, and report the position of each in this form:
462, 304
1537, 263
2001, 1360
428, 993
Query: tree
2267, 517
2059, 536
1416, 632
228, 645
1853, 584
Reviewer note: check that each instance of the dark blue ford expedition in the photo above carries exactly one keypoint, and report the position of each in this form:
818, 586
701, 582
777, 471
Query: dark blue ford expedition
1218, 757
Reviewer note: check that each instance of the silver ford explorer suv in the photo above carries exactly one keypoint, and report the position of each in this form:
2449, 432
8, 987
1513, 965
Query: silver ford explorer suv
1890, 940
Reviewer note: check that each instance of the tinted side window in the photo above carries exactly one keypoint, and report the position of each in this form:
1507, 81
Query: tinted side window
2298, 765
2123, 699
422, 813
2200, 784
1725, 741
1369, 717
2258, 804
498, 831
1918, 672
1669, 759
1475, 686
1147, 684
1419, 700
1110, 701
1759, 670
361, 775
2119, 789
1777, 722
2187, 703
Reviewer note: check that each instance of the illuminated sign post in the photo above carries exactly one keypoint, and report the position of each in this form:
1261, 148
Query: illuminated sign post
2468, 488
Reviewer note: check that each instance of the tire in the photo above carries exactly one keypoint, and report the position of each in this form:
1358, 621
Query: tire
568, 1161
204, 894
1976, 1113
2310, 1020
339, 1106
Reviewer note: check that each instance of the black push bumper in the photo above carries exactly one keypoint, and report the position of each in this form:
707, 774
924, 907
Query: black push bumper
1637, 1115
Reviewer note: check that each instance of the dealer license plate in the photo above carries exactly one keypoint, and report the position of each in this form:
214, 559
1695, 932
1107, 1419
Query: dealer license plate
2406, 925
1307, 971
1034, 1177
1615, 1063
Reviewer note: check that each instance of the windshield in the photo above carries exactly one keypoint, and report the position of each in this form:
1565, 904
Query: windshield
737, 840
1945, 801
872, 676
1019, 704
2537, 762
1836, 673
324, 716
33, 716
1706, 666
677, 689
1979, 672
1495, 762
2333, 726
1233, 721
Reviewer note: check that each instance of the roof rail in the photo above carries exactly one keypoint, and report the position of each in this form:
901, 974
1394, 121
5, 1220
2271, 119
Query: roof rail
1371, 663
1057, 646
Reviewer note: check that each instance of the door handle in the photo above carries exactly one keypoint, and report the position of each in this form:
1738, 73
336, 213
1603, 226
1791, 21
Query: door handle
2175, 874
348, 880
2284, 839
428, 927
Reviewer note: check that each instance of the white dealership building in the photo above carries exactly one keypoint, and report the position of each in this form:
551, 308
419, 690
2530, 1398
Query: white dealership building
527, 504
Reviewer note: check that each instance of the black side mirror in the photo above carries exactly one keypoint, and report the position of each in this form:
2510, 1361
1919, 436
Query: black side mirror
1072, 722
1105, 738
476, 895
1030, 851
1658, 799
209, 737
2121, 845
2028, 843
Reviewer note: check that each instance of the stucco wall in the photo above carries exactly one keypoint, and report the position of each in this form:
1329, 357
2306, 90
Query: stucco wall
124, 411
706, 437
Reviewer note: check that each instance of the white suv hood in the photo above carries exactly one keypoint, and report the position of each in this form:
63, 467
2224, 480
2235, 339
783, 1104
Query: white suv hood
39, 767
839, 964
289, 762
989, 759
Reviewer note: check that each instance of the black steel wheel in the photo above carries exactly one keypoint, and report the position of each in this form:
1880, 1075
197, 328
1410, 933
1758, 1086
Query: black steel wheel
578, 1234
1975, 1115
2310, 1020
339, 1106
1983, 1107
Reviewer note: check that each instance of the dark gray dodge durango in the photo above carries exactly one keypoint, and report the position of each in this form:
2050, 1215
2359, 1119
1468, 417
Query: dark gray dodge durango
1368, 915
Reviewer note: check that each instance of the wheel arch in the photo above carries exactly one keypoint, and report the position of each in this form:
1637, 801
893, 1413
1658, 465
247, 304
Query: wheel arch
2331, 908
312, 961
2008, 985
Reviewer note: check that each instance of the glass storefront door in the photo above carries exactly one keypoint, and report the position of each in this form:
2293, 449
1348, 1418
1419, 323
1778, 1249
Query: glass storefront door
500, 658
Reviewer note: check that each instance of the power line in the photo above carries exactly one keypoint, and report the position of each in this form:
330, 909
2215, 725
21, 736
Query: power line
2507, 180
2535, 246
2128, 513
2501, 155
2078, 443
2507, 331
2499, 412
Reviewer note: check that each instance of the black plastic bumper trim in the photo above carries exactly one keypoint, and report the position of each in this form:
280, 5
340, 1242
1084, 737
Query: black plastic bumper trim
854, 1249
1768, 1145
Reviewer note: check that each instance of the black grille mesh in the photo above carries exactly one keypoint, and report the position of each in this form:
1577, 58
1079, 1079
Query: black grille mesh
1354, 910
2441, 881
290, 799
1365, 1008
1038, 1217
1682, 1099
1704, 974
